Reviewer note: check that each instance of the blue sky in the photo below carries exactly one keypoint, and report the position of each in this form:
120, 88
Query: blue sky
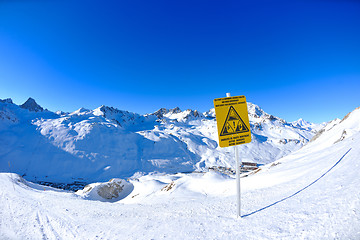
292, 58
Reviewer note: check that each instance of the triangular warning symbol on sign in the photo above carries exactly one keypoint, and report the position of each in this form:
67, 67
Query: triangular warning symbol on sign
233, 124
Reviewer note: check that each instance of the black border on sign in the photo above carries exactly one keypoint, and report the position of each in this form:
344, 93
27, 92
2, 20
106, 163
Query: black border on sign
227, 117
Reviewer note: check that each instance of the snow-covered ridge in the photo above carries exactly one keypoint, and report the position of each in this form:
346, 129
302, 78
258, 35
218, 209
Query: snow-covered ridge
176, 114
7, 100
99, 144
338, 130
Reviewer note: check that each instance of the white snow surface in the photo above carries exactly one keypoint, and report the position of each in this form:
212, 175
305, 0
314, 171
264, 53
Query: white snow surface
312, 193
97, 145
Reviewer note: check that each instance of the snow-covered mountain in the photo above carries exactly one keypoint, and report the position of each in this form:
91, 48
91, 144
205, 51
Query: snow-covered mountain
301, 123
312, 193
99, 144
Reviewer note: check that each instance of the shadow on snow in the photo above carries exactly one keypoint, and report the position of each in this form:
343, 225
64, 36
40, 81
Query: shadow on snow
261, 209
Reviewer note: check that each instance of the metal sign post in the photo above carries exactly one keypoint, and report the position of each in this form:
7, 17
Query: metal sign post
238, 186
233, 129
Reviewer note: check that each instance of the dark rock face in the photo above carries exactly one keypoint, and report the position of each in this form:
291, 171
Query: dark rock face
7, 100
162, 111
31, 105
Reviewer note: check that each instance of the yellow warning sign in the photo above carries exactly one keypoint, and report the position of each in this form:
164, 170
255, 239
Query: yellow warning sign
232, 121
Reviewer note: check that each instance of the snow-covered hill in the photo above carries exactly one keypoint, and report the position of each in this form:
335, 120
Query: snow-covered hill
312, 193
96, 145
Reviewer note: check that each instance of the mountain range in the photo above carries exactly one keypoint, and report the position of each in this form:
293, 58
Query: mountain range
96, 145
310, 193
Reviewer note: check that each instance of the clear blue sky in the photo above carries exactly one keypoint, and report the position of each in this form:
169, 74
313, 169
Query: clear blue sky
292, 58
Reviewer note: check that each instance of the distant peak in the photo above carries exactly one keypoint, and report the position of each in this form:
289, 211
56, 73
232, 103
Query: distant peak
7, 100
162, 111
301, 122
255, 111
80, 111
104, 110
175, 110
83, 109
31, 105
210, 113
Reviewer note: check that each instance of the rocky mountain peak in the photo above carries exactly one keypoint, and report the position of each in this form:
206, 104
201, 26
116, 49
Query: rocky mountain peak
255, 111
7, 100
32, 106
175, 110
162, 111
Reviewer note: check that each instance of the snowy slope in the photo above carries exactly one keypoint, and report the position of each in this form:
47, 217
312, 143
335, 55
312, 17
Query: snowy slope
312, 193
96, 145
